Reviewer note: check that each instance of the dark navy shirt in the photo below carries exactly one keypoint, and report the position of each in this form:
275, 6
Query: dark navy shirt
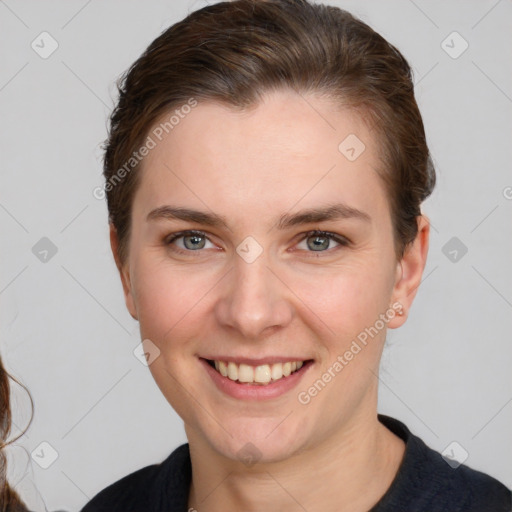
425, 482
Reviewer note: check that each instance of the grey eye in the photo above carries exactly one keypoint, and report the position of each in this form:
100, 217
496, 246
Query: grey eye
319, 242
194, 241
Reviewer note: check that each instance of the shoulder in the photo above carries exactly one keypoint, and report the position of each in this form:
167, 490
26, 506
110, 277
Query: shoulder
148, 488
426, 481
462, 488
125, 493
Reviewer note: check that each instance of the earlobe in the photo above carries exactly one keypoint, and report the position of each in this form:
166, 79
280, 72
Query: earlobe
124, 273
409, 273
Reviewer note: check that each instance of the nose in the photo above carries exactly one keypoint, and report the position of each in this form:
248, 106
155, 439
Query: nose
254, 300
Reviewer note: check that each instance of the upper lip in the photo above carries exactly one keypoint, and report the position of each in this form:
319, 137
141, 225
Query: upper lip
256, 361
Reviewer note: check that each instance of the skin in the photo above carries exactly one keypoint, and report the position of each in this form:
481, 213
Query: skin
280, 157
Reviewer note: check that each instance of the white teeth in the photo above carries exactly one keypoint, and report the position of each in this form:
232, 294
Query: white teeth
245, 373
232, 371
223, 368
263, 374
277, 371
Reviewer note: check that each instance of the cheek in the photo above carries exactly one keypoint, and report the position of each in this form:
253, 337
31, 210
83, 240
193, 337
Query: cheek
169, 300
171, 305
347, 297
349, 301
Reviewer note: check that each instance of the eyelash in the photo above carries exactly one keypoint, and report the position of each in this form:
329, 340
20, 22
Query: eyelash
344, 242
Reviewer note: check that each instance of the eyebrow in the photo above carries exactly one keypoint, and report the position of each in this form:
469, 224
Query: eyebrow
308, 216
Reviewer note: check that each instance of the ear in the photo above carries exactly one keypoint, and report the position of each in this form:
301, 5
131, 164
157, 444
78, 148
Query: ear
409, 273
124, 272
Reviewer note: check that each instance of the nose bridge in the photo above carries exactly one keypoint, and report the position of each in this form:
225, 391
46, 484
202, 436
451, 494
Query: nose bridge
254, 299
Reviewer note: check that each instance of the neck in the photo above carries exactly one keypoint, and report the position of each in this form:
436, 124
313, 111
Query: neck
349, 471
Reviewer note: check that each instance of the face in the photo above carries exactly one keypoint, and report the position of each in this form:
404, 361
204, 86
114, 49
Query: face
257, 241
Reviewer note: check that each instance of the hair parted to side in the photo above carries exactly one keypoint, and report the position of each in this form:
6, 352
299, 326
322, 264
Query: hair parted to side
9, 499
234, 52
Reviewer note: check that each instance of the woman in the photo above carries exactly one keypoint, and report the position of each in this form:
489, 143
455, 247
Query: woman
10, 501
247, 138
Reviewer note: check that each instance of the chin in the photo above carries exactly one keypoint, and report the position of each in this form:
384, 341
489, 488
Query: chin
258, 440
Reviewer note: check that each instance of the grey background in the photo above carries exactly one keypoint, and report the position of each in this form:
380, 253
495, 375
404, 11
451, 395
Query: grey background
65, 332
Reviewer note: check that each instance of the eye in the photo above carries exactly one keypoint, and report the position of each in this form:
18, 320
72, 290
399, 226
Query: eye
319, 241
190, 241
186, 242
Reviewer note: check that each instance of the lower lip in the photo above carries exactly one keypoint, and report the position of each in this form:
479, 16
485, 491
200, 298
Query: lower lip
244, 391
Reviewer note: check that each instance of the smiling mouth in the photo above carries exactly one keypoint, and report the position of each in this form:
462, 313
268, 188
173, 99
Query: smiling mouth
257, 375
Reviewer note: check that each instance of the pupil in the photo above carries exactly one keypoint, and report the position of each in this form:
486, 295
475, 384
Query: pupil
321, 245
194, 245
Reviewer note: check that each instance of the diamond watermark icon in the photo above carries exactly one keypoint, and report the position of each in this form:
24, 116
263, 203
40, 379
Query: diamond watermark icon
454, 249
455, 454
146, 352
44, 45
44, 250
44, 455
454, 45
249, 454
351, 147
249, 250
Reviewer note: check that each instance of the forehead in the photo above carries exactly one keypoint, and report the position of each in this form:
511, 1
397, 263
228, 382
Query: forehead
286, 150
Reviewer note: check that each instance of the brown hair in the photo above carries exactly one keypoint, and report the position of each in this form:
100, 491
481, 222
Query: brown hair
9, 499
233, 52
